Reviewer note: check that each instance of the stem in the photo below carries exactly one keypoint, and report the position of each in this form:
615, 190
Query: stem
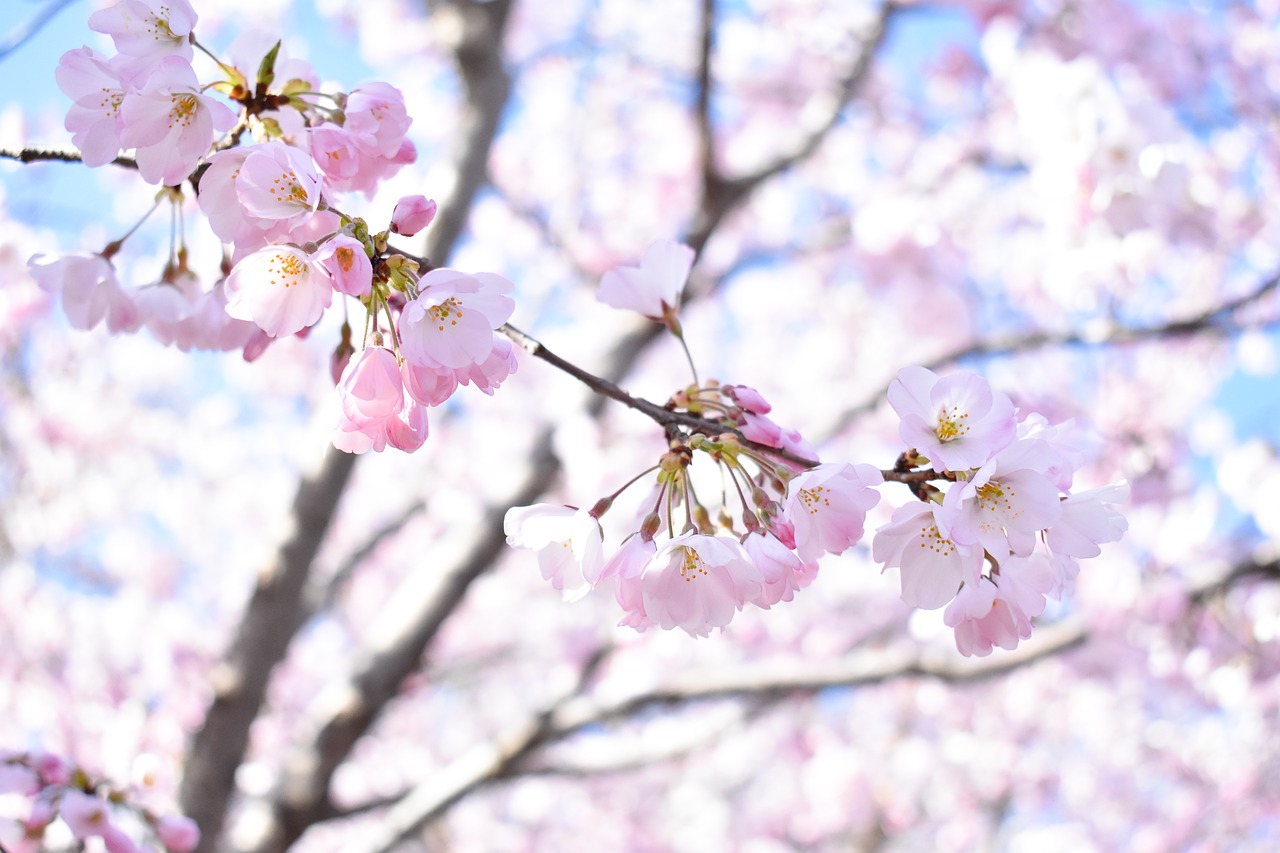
689, 358
662, 416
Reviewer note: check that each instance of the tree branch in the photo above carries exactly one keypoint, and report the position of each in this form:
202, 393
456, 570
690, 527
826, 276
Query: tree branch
58, 155
490, 762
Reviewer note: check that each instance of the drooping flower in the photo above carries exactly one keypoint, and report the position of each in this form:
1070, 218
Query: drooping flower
348, 265
782, 571
568, 541
450, 324
932, 566
957, 421
694, 582
828, 505
653, 288
280, 288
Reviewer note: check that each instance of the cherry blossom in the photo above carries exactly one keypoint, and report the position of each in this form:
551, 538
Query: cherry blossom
282, 289
932, 566
93, 82
694, 582
148, 28
653, 288
170, 122
568, 541
412, 213
828, 505
956, 420
450, 323
348, 264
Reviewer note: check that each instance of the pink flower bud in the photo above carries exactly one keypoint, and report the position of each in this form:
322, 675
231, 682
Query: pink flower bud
178, 834
412, 214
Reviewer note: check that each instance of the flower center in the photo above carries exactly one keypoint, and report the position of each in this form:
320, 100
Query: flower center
932, 539
815, 499
992, 496
691, 566
288, 189
286, 269
951, 424
450, 310
183, 109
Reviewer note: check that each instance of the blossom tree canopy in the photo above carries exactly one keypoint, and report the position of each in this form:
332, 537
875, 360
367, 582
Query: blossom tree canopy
801, 424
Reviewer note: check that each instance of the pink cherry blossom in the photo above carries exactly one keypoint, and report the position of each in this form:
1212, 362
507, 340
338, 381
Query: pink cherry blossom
781, 569
85, 814
280, 288
653, 288
412, 213
376, 116
430, 386
1088, 520
91, 81
177, 833
171, 122
932, 566
956, 421
748, 398
90, 291
694, 582
1001, 509
278, 182
148, 28
997, 611
408, 430
828, 505
451, 322
348, 264
370, 388
568, 541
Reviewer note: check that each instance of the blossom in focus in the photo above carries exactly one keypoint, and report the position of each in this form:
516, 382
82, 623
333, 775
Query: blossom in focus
828, 504
92, 82
568, 541
1001, 508
957, 421
450, 324
171, 122
148, 28
348, 264
694, 582
653, 288
932, 566
280, 288
412, 213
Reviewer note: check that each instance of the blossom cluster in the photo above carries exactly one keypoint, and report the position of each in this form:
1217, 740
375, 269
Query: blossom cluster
681, 569
969, 542
1007, 532
56, 797
273, 203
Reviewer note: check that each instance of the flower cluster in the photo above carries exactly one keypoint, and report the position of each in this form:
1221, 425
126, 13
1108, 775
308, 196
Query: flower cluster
973, 547
54, 790
273, 203
683, 570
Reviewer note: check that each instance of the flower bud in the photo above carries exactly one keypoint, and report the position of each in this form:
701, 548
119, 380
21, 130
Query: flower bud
412, 213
